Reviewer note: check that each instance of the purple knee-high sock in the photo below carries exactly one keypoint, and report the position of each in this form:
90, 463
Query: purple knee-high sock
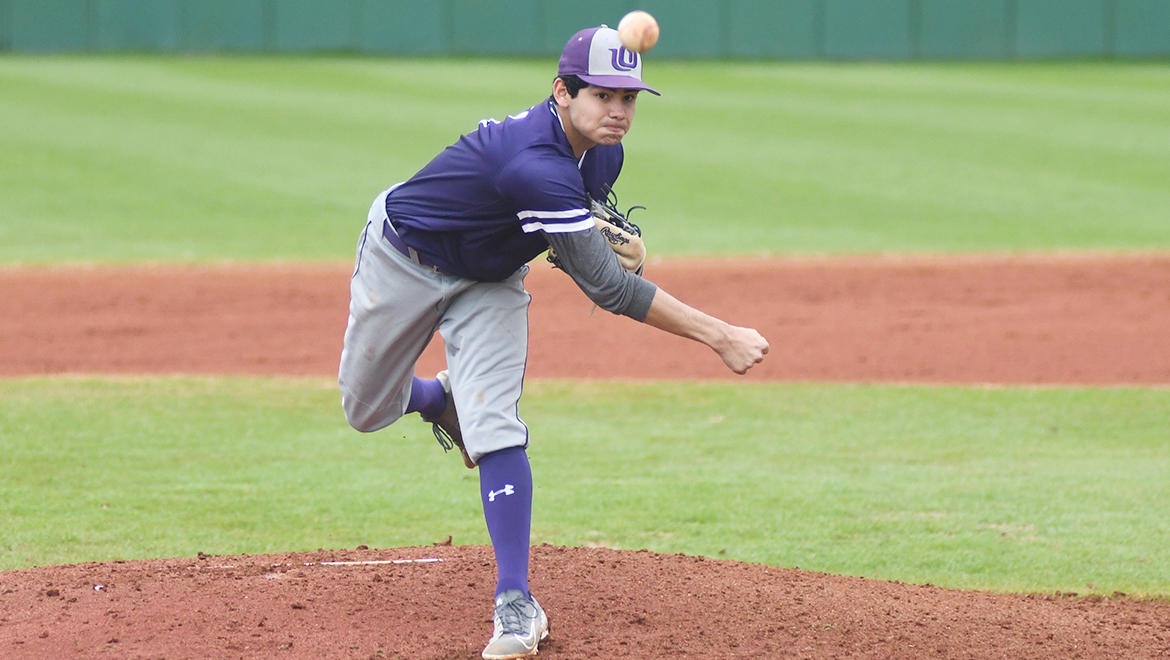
427, 397
505, 484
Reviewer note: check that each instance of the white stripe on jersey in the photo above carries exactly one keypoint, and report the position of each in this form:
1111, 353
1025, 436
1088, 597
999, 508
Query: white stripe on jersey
558, 227
553, 215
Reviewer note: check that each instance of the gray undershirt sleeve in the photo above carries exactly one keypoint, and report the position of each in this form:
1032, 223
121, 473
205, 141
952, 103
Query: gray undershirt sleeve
588, 259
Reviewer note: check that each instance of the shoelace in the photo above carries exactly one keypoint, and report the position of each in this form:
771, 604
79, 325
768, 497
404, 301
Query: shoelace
512, 615
443, 437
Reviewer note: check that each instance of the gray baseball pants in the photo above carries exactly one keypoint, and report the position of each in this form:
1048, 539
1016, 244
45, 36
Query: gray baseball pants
396, 305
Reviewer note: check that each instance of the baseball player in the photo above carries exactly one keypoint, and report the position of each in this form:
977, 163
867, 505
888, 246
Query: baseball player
447, 251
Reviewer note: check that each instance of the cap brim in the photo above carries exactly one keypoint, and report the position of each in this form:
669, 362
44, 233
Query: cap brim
618, 82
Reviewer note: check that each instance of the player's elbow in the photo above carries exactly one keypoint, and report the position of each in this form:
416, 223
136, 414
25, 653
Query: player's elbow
611, 299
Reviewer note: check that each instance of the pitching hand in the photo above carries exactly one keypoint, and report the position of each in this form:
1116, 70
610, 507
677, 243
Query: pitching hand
743, 349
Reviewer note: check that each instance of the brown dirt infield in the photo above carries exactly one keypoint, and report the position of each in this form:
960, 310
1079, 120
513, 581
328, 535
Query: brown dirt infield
1041, 320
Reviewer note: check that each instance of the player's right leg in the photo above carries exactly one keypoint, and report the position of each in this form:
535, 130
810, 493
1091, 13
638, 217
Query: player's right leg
394, 310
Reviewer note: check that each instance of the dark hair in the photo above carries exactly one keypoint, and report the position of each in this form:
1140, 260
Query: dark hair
574, 85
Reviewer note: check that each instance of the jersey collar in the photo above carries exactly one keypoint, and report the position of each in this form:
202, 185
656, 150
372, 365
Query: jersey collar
552, 107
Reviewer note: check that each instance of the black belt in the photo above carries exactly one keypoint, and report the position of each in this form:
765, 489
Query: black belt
392, 236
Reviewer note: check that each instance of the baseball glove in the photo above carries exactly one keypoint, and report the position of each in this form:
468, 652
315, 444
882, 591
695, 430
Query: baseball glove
623, 236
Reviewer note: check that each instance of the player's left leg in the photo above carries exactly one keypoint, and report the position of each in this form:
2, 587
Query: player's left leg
505, 485
486, 335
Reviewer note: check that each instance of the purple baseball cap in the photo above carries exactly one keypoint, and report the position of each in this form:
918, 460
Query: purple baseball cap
597, 56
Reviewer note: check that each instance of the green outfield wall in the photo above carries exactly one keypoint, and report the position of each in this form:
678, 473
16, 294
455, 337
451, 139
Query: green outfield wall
763, 29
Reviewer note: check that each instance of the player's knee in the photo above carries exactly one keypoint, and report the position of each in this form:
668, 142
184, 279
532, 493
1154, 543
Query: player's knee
361, 417
362, 425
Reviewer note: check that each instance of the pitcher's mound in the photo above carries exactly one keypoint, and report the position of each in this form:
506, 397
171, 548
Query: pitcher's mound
435, 602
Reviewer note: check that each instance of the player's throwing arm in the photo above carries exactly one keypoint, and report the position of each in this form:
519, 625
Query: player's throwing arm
740, 348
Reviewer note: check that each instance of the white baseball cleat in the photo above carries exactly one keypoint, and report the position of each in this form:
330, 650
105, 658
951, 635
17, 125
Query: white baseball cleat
520, 624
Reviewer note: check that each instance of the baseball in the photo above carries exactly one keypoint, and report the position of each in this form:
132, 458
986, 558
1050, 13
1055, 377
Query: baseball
638, 31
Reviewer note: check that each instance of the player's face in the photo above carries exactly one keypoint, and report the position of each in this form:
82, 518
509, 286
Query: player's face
598, 115
603, 115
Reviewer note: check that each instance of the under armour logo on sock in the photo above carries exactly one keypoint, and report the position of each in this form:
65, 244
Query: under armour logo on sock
506, 490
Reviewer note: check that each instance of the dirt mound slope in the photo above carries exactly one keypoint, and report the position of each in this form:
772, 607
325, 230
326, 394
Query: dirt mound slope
434, 602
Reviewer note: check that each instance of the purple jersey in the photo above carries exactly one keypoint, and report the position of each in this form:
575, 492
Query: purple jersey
478, 209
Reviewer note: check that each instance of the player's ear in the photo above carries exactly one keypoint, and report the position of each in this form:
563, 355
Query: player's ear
561, 93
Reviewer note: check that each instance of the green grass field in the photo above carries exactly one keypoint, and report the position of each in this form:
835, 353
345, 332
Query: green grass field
131, 159
1003, 489
207, 158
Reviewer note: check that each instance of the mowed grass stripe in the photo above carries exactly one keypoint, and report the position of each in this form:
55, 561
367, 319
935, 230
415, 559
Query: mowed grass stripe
136, 158
1013, 489
879, 158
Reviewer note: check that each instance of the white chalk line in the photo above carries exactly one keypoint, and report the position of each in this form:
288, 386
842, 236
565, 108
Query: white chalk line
428, 560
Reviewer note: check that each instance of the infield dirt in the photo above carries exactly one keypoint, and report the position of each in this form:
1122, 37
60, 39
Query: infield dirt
1045, 320
995, 319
